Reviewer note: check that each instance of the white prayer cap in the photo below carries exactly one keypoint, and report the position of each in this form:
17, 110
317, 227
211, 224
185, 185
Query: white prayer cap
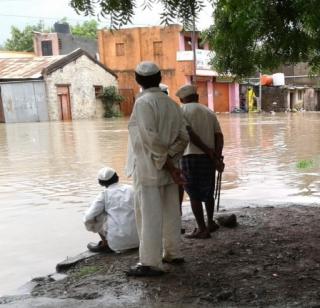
106, 173
186, 90
147, 68
163, 87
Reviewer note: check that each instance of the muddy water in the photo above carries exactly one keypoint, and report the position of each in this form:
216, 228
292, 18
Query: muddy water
48, 177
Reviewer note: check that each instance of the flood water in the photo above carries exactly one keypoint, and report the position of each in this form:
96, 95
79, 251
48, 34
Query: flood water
48, 178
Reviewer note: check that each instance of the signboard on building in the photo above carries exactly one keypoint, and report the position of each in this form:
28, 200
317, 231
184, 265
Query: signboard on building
203, 58
225, 79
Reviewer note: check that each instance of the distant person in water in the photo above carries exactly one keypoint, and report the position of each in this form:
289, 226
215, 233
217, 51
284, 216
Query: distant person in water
111, 215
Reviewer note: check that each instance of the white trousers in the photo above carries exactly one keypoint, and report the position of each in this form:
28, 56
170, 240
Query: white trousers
158, 223
98, 225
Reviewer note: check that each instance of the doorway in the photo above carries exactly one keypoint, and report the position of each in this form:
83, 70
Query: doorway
126, 105
221, 97
203, 92
291, 100
64, 103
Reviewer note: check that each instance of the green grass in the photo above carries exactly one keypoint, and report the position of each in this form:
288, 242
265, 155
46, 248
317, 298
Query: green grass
87, 270
305, 164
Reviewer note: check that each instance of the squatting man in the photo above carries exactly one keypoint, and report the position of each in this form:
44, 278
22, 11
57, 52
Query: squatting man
111, 215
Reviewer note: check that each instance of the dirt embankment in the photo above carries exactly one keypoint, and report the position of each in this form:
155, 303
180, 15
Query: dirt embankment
271, 259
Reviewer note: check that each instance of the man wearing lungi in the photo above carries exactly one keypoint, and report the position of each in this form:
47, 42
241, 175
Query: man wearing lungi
200, 161
157, 139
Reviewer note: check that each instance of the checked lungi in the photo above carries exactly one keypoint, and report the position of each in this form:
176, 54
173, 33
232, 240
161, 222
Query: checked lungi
200, 176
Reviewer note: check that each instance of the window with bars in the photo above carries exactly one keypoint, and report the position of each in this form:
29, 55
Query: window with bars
157, 48
98, 91
46, 48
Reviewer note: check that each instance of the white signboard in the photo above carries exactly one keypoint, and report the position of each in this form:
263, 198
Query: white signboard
203, 57
185, 55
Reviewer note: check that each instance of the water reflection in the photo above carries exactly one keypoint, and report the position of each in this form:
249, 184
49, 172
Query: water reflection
48, 177
262, 153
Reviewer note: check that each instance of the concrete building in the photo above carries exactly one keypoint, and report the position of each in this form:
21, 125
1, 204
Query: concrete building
62, 42
52, 88
170, 47
300, 92
303, 89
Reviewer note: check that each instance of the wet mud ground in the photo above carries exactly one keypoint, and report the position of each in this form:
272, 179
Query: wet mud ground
271, 259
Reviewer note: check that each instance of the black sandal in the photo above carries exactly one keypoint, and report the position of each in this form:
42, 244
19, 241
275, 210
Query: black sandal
140, 270
99, 247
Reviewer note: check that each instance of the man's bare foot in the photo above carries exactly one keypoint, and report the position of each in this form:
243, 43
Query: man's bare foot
199, 234
213, 226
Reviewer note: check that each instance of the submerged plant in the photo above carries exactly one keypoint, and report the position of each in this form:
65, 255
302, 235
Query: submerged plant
305, 164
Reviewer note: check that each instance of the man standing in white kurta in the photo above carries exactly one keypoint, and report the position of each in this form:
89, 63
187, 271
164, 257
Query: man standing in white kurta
157, 139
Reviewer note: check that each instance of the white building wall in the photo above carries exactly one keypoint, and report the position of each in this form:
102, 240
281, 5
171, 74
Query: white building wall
81, 76
310, 99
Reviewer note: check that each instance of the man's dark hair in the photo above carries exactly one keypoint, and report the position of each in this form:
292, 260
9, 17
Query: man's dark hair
114, 179
148, 81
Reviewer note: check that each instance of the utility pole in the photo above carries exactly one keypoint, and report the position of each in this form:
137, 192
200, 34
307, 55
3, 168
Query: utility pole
193, 41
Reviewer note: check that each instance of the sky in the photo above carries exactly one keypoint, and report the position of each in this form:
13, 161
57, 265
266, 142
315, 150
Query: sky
23, 12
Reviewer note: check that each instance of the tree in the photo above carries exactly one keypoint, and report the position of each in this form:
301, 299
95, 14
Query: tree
110, 99
122, 11
248, 36
87, 29
22, 40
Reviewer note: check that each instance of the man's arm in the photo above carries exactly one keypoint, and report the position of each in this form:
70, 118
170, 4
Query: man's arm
146, 122
196, 140
175, 172
96, 208
177, 148
218, 143
215, 156
160, 154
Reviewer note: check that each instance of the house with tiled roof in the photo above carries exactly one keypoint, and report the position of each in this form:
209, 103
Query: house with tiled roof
52, 88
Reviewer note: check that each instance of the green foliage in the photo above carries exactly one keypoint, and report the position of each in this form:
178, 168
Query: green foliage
87, 29
122, 11
22, 40
86, 270
110, 98
305, 164
248, 36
